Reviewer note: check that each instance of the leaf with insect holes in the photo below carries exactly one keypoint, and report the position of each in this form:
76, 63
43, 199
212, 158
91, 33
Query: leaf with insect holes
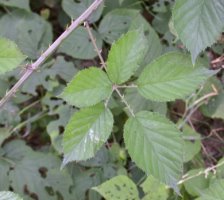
86, 132
88, 87
198, 23
10, 55
156, 146
125, 56
171, 76
119, 187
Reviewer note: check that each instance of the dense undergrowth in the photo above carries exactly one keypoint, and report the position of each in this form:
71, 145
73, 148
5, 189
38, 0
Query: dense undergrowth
146, 124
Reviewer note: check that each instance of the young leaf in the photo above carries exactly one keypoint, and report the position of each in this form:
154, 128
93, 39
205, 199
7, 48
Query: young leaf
171, 76
119, 187
10, 55
89, 87
125, 56
6, 195
86, 132
155, 145
198, 23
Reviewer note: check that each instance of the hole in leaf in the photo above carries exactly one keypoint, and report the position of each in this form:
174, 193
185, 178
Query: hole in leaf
43, 172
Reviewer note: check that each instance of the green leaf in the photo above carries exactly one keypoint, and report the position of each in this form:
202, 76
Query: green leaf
86, 132
154, 190
78, 44
156, 146
192, 143
75, 8
89, 87
5, 195
30, 31
138, 103
23, 4
125, 56
153, 40
10, 55
192, 19
171, 76
197, 184
214, 192
119, 187
4, 134
116, 23
35, 171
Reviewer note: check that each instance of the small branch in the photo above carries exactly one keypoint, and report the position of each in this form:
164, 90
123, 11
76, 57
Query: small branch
50, 50
205, 172
124, 101
93, 40
196, 105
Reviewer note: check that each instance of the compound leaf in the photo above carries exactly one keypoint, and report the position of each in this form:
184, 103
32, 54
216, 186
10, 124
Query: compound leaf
192, 19
171, 76
89, 87
155, 145
10, 55
125, 56
119, 187
86, 132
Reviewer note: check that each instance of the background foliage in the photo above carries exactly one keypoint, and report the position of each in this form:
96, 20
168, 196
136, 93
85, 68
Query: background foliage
162, 87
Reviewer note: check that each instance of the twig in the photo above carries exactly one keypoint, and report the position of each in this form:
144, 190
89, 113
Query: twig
50, 50
205, 172
93, 40
124, 100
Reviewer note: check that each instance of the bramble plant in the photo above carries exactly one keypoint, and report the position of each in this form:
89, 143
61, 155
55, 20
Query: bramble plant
124, 101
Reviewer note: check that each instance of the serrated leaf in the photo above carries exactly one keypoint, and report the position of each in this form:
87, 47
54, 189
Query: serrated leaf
153, 40
78, 44
125, 56
22, 4
192, 19
89, 87
154, 190
214, 192
10, 55
119, 187
30, 31
75, 8
139, 103
156, 146
6, 195
116, 23
34, 171
171, 76
86, 132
